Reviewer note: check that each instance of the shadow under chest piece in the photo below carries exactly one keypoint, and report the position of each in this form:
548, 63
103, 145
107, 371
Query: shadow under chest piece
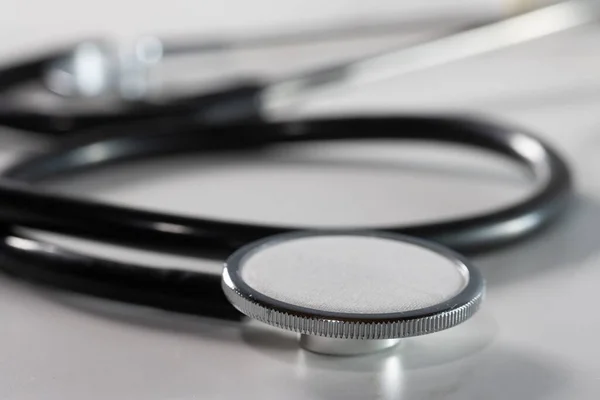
352, 293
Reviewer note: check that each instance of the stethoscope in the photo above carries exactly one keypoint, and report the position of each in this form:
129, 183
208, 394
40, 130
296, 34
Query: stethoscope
240, 117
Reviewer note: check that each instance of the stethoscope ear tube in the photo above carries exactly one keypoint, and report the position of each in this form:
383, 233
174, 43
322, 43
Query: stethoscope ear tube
199, 293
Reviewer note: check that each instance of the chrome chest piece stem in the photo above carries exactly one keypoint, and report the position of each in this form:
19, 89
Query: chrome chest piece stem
352, 293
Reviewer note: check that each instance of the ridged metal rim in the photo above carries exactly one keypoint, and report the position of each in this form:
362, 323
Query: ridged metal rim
345, 325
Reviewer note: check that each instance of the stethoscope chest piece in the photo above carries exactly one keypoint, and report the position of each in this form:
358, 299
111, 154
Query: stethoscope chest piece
352, 293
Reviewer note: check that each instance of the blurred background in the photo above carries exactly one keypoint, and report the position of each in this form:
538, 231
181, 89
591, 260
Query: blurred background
65, 20
299, 34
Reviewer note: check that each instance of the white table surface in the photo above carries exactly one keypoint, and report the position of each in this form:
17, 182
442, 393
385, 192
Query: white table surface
535, 338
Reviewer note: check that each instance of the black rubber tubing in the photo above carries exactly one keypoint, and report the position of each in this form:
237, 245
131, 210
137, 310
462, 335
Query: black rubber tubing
196, 125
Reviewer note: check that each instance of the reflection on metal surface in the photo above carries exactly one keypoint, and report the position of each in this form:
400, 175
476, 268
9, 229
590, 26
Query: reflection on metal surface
149, 49
346, 347
83, 73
